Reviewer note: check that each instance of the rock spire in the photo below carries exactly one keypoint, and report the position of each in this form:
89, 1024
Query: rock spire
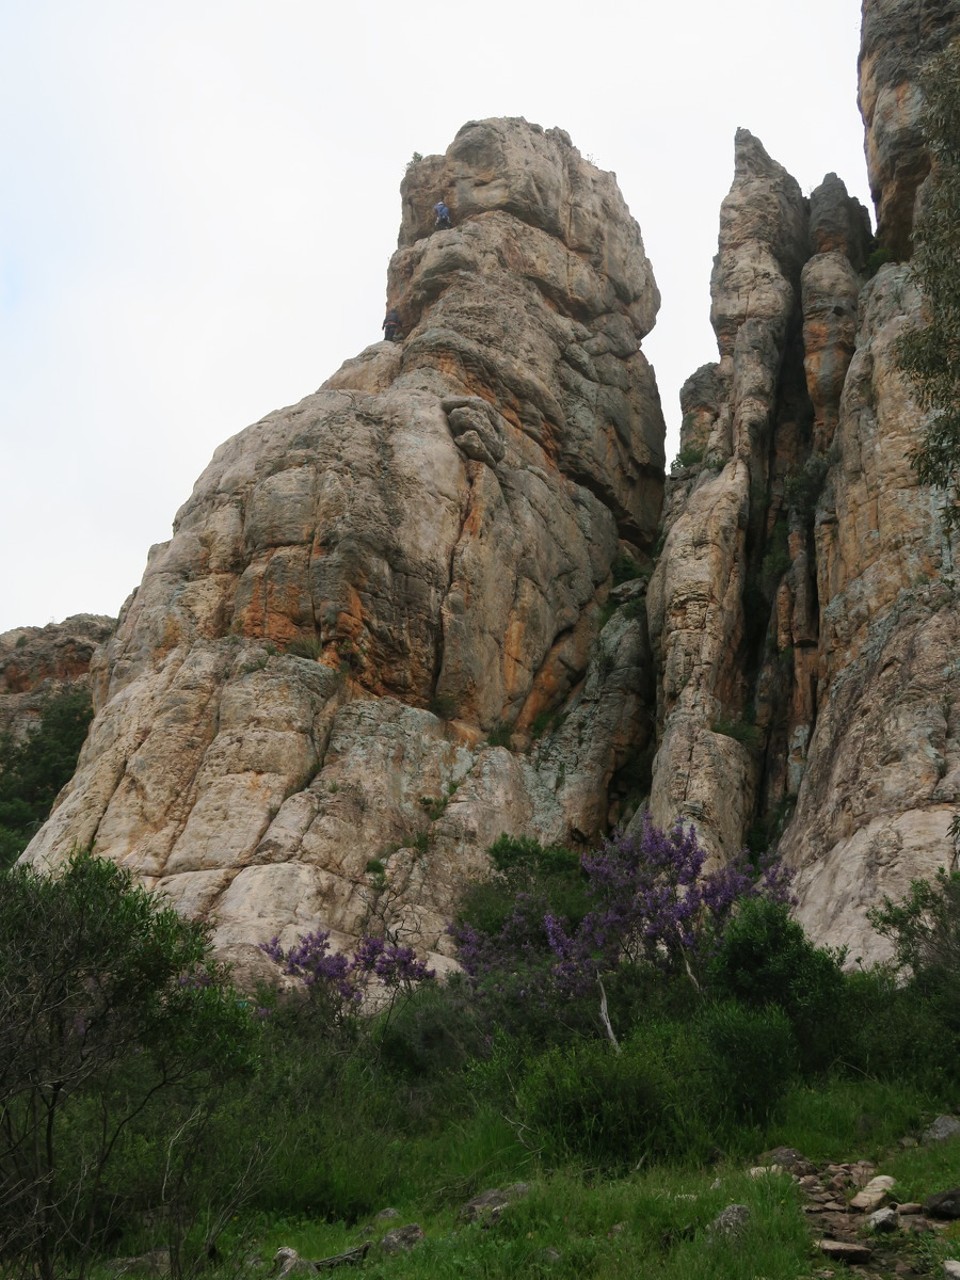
299, 715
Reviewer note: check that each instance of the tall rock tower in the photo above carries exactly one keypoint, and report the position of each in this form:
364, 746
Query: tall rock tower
803, 612
305, 715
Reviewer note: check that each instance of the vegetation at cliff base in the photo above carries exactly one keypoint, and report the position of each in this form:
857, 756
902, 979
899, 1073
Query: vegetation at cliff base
33, 771
117, 1035
930, 355
627, 1035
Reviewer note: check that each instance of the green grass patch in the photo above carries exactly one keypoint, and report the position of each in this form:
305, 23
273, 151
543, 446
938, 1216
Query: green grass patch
849, 1119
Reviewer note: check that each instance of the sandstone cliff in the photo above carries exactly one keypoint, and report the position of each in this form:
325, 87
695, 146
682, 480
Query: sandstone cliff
304, 716
898, 38
803, 612
411, 612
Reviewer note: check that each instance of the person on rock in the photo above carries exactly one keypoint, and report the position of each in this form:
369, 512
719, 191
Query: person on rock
391, 325
443, 222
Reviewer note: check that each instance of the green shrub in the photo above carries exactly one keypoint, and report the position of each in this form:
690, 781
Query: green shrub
803, 485
764, 959
434, 806
32, 772
689, 457
674, 1091
892, 1032
499, 735
116, 1024
544, 722
877, 259
776, 560
306, 647
925, 929
625, 569
549, 875
752, 1057
586, 1102
435, 1033
739, 730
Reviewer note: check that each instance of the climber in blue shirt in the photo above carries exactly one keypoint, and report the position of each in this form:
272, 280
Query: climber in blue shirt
443, 222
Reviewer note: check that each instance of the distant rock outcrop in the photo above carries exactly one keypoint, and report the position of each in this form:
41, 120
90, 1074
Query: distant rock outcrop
37, 662
368, 591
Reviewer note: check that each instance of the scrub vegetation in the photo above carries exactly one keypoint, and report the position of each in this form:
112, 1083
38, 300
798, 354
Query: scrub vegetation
33, 771
625, 1037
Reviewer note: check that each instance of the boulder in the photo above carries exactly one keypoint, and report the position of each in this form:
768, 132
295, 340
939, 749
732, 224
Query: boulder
943, 1204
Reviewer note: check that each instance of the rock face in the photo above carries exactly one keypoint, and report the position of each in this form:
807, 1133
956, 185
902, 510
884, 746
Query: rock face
36, 662
898, 38
366, 592
411, 613
803, 613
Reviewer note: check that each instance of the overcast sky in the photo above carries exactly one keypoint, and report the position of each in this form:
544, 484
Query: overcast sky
199, 200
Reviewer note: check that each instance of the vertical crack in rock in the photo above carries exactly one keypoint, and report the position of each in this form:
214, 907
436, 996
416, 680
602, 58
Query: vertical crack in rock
807, 705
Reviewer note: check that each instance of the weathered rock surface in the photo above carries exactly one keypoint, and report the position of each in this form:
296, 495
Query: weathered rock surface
703, 618
898, 38
36, 662
803, 615
366, 586
943, 1204
882, 777
386, 628
943, 1128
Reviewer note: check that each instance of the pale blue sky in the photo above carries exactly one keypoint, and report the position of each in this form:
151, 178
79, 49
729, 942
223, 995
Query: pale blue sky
200, 198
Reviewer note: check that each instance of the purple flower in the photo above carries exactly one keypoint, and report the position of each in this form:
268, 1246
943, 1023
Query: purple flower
650, 902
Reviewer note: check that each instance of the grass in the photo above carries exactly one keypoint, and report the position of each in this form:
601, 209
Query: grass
851, 1120
921, 1170
650, 1223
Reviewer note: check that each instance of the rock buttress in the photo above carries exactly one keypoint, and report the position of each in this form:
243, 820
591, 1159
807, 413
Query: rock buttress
803, 613
898, 37
365, 587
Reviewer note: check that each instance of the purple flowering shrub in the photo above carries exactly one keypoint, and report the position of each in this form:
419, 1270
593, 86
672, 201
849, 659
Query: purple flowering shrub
339, 982
652, 903
647, 902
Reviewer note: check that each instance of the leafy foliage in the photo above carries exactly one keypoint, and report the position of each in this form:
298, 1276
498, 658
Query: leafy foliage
336, 982
930, 355
765, 959
109, 1002
652, 902
925, 930
32, 772
804, 484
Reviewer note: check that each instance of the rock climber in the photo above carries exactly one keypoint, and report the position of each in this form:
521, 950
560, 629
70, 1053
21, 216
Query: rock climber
443, 222
391, 325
